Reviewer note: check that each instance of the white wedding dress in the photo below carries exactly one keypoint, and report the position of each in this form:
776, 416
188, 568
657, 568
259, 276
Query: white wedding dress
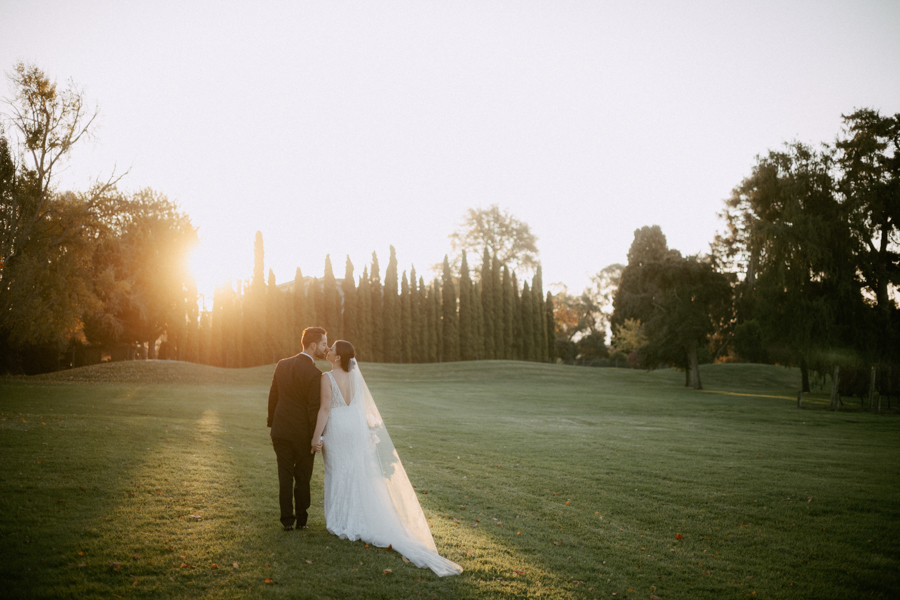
368, 495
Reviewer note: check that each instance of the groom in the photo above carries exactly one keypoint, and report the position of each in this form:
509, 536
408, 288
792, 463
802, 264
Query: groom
293, 408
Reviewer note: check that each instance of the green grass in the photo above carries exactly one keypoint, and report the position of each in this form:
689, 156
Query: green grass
579, 478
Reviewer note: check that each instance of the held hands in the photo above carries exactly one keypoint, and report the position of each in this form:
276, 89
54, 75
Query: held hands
316, 446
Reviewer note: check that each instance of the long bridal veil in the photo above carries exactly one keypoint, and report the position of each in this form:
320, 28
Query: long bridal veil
387, 467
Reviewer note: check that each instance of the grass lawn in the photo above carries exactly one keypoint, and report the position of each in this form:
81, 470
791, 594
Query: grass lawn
158, 480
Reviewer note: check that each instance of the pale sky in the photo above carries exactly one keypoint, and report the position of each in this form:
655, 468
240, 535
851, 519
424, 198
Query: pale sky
344, 127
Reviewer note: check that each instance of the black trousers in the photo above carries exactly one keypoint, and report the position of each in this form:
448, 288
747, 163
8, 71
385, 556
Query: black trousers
295, 467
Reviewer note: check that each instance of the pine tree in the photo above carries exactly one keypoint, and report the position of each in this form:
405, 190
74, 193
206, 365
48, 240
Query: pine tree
253, 309
331, 300
406, 324
507, 327
216, 353
391, 347
479, 321
376, 327
551, 328
487, 306
449, 316
350, 310
205, 339
301, 319
527, 316
417, 347
466, 313
364, 318
429, 334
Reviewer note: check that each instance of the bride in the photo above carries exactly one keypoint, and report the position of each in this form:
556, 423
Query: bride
367, 493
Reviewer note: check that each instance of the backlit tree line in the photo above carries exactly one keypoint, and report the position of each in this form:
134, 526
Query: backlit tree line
806, 272
400, 318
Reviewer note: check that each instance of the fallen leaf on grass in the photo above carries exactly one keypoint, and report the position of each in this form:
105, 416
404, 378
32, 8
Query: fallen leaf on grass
557, 543
81, 554
499, 523
406, 560
518, 572
137, 556
115, 566
269, 580
183, 566
653, 597
309, 562
235, 565
214, 566
581, 583
386, 572
678, 536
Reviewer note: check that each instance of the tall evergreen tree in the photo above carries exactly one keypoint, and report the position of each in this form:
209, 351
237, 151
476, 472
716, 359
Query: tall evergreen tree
406, 325
517, 330
253, 307
526, 306
466, 313
488, 305
540, 323
479, 321
301, 320
364, 318
415, 312
498, 301
449, 316
437, 322
205, 341
274, 324
216, 351
317, 299
331, 301
550, 320
350, 310
429, 332
391, 324
376, 327
509, 304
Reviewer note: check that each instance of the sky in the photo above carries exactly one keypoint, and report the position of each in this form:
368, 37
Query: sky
343, 128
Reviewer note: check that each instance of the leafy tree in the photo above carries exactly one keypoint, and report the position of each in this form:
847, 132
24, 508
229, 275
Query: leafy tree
501, 233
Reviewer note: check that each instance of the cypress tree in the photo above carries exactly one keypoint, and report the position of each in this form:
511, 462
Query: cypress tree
507, 323
253, 309
540, 323
466, 313
364, 318
406, 325
516, 335
273, 321
331, 300
205, 339
498, 301
479, 321
349, 311
527, 317
487, 305
286, 331
551, 328
376, 327
429, 334
317, 295
437, 323
415, 313
301, 319
392, 345
216, 352
449, 317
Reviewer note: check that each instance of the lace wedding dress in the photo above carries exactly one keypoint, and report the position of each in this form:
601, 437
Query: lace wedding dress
368, 495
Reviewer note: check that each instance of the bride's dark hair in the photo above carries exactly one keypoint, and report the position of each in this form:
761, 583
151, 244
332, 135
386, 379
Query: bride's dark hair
346, 351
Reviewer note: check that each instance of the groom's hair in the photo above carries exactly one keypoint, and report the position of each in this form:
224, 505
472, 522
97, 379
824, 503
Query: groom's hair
312, 335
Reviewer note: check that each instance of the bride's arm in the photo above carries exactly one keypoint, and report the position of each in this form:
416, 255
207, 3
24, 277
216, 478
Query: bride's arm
322, 419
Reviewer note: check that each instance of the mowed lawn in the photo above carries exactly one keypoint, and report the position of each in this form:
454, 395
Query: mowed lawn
140, 480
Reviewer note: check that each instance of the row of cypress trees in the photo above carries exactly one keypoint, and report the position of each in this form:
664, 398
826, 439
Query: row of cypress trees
398, 319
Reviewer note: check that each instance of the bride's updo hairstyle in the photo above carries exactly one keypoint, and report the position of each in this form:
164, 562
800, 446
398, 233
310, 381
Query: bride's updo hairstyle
346, 351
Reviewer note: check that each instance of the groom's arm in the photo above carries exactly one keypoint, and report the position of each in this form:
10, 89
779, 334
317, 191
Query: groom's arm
273, 400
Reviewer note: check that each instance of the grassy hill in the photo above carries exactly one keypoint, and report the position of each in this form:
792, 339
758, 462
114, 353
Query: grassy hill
543, 481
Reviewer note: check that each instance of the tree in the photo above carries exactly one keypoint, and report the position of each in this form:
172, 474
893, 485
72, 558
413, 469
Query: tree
488, 305
417, 333
550, 319
449, 316
501, 233
301, 319
406, 321
351, 308
391, 321
376, 324
526, 318
331, 300
363, 342
467, 326
508, 320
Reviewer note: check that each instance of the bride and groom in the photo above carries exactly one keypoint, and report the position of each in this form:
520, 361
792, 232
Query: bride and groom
368, 495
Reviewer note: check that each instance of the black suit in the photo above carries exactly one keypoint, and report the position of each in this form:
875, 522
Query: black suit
293, 409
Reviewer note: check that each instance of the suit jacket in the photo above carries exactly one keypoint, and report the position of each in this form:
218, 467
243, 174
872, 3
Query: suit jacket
294, 398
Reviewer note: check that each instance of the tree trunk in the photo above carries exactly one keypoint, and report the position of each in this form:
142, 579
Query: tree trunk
695, 367
872, 388
835, 394
804, 375
151, 349
687, 375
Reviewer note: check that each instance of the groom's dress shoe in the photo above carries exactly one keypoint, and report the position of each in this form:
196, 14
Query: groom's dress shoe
303, 527
288, 527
